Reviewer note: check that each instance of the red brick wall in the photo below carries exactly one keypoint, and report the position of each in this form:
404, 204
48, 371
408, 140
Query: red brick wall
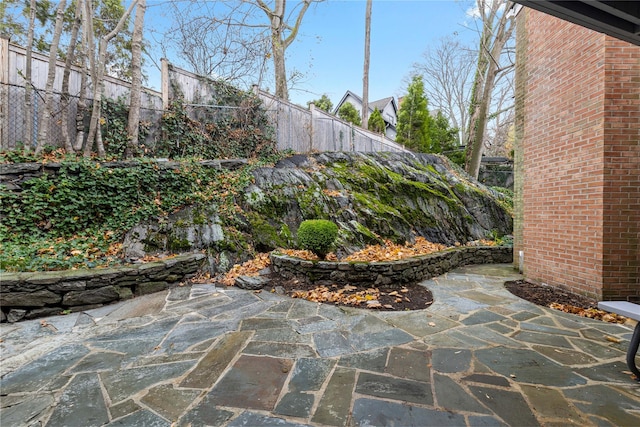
577, 125
621, 222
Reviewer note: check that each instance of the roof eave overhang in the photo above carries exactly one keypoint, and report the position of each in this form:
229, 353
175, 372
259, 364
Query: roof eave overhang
619, 19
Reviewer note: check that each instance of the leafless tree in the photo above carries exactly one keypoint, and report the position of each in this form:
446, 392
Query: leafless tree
497, 22
66, 96
244, 37
218, 40
28, 90
98, 65
85, 56
45, 114
447, 71
365, 77
136, 80
284, 28
501, 117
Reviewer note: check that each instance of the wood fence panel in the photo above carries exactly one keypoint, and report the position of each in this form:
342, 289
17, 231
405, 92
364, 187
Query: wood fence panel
14, 92
296, 128
292, 124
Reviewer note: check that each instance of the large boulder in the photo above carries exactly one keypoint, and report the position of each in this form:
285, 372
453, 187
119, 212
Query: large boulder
371, 196
377, 196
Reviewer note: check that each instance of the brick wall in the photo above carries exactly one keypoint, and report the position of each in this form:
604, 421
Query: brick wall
518, 148
621, 221
577, 125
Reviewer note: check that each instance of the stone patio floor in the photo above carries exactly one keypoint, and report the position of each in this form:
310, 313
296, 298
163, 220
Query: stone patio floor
206, 355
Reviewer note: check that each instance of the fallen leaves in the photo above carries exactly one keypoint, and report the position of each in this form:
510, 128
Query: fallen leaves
392, 252
300, 253
591, 313
347, 295
249, 268
388, 252
307, 255
153, 258
613, 339
114, 249
351, 295
201, 277
331, 193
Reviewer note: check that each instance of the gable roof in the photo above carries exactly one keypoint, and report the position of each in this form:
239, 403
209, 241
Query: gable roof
380, 104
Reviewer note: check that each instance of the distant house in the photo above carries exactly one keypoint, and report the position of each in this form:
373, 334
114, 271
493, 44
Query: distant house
387, 106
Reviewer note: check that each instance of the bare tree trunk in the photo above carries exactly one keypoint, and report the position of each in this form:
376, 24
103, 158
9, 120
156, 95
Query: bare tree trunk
43, 132
365, 77
282, 91
4, 93
279, 42
136, 80
28, 89
87, 50
87, 24
81, 108
66, 97
477, 147
492, 42
97, 76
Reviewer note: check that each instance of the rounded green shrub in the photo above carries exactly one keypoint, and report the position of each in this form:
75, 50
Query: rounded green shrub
317, 235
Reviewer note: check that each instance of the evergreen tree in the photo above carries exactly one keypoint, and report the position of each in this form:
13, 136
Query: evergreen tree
324, 103
444, 139
414, 121
348, 112
376, 122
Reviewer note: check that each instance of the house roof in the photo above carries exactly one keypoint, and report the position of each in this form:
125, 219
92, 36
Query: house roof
380, 104
617, 18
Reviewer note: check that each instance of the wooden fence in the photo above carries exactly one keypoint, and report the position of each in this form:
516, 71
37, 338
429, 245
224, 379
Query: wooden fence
306, 130
12, 96
299, 129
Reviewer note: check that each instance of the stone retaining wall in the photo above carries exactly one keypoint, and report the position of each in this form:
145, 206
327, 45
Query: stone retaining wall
14, 175
32, 295
390, 273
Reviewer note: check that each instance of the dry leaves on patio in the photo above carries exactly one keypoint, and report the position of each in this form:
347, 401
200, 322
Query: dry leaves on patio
354, 296
591, 313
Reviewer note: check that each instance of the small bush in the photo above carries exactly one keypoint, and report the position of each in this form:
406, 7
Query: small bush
318, 236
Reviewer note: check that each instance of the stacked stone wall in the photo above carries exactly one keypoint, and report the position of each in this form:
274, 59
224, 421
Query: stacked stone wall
33, 295
14, 175
389, 273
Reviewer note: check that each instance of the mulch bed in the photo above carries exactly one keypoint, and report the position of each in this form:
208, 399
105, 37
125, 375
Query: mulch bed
410, 297
546, 295
414, 297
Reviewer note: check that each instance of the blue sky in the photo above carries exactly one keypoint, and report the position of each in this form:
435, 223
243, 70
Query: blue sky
329, 49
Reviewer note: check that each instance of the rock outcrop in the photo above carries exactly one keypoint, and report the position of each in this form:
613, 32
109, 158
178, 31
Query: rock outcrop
375, 196
371, 196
